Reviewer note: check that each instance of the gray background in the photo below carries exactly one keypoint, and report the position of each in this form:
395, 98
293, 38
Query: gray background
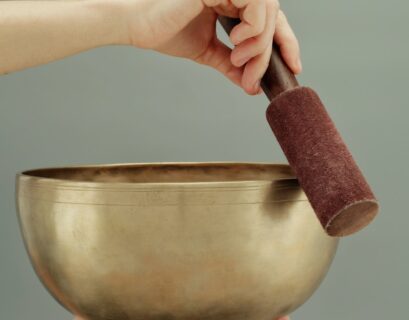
125, 105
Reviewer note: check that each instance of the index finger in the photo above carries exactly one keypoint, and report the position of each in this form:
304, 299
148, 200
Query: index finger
253, 17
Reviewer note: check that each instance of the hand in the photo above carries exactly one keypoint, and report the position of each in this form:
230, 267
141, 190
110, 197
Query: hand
37, 32
186, 28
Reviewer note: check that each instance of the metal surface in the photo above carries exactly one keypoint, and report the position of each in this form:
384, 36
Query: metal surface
173, 241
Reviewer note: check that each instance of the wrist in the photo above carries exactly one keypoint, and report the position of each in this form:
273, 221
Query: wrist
110, 21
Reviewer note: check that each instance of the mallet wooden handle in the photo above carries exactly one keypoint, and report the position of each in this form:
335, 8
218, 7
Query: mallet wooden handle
278, 77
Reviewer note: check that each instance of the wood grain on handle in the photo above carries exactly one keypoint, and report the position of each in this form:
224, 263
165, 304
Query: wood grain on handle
278, 77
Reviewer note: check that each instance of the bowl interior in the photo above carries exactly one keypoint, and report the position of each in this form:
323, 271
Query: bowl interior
167, 172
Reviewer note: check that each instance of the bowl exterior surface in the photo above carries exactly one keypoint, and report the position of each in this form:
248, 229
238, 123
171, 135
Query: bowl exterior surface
250, 250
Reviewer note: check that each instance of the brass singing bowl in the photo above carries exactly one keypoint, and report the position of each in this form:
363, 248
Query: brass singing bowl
214, 241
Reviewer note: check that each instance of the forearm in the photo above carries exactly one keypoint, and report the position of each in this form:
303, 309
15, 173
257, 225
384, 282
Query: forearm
37, 32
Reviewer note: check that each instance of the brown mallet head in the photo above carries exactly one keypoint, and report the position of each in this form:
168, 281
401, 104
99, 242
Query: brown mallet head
336, 188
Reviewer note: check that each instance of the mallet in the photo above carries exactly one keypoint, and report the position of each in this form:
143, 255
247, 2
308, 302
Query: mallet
325, 169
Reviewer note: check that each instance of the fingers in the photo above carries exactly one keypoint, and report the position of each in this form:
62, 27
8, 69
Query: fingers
254, 71
256, 52
253, 18
253, 40
256, 45
262, 21
285, 38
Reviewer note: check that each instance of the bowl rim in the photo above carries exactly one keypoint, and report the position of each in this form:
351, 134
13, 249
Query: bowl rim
28, 176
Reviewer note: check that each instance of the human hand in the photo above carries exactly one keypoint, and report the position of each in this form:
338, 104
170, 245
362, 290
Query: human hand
187, 28
37, 32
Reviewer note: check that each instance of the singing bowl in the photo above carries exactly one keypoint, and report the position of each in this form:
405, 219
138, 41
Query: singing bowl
214, 241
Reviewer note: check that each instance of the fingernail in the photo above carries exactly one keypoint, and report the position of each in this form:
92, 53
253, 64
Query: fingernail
241, 61
257, 87
235, 39
299, 64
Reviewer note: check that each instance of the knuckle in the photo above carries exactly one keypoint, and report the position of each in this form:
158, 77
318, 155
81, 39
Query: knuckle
260, 45
223, 3
287, 39
211, 3
281, 17
258, 27
273, 5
